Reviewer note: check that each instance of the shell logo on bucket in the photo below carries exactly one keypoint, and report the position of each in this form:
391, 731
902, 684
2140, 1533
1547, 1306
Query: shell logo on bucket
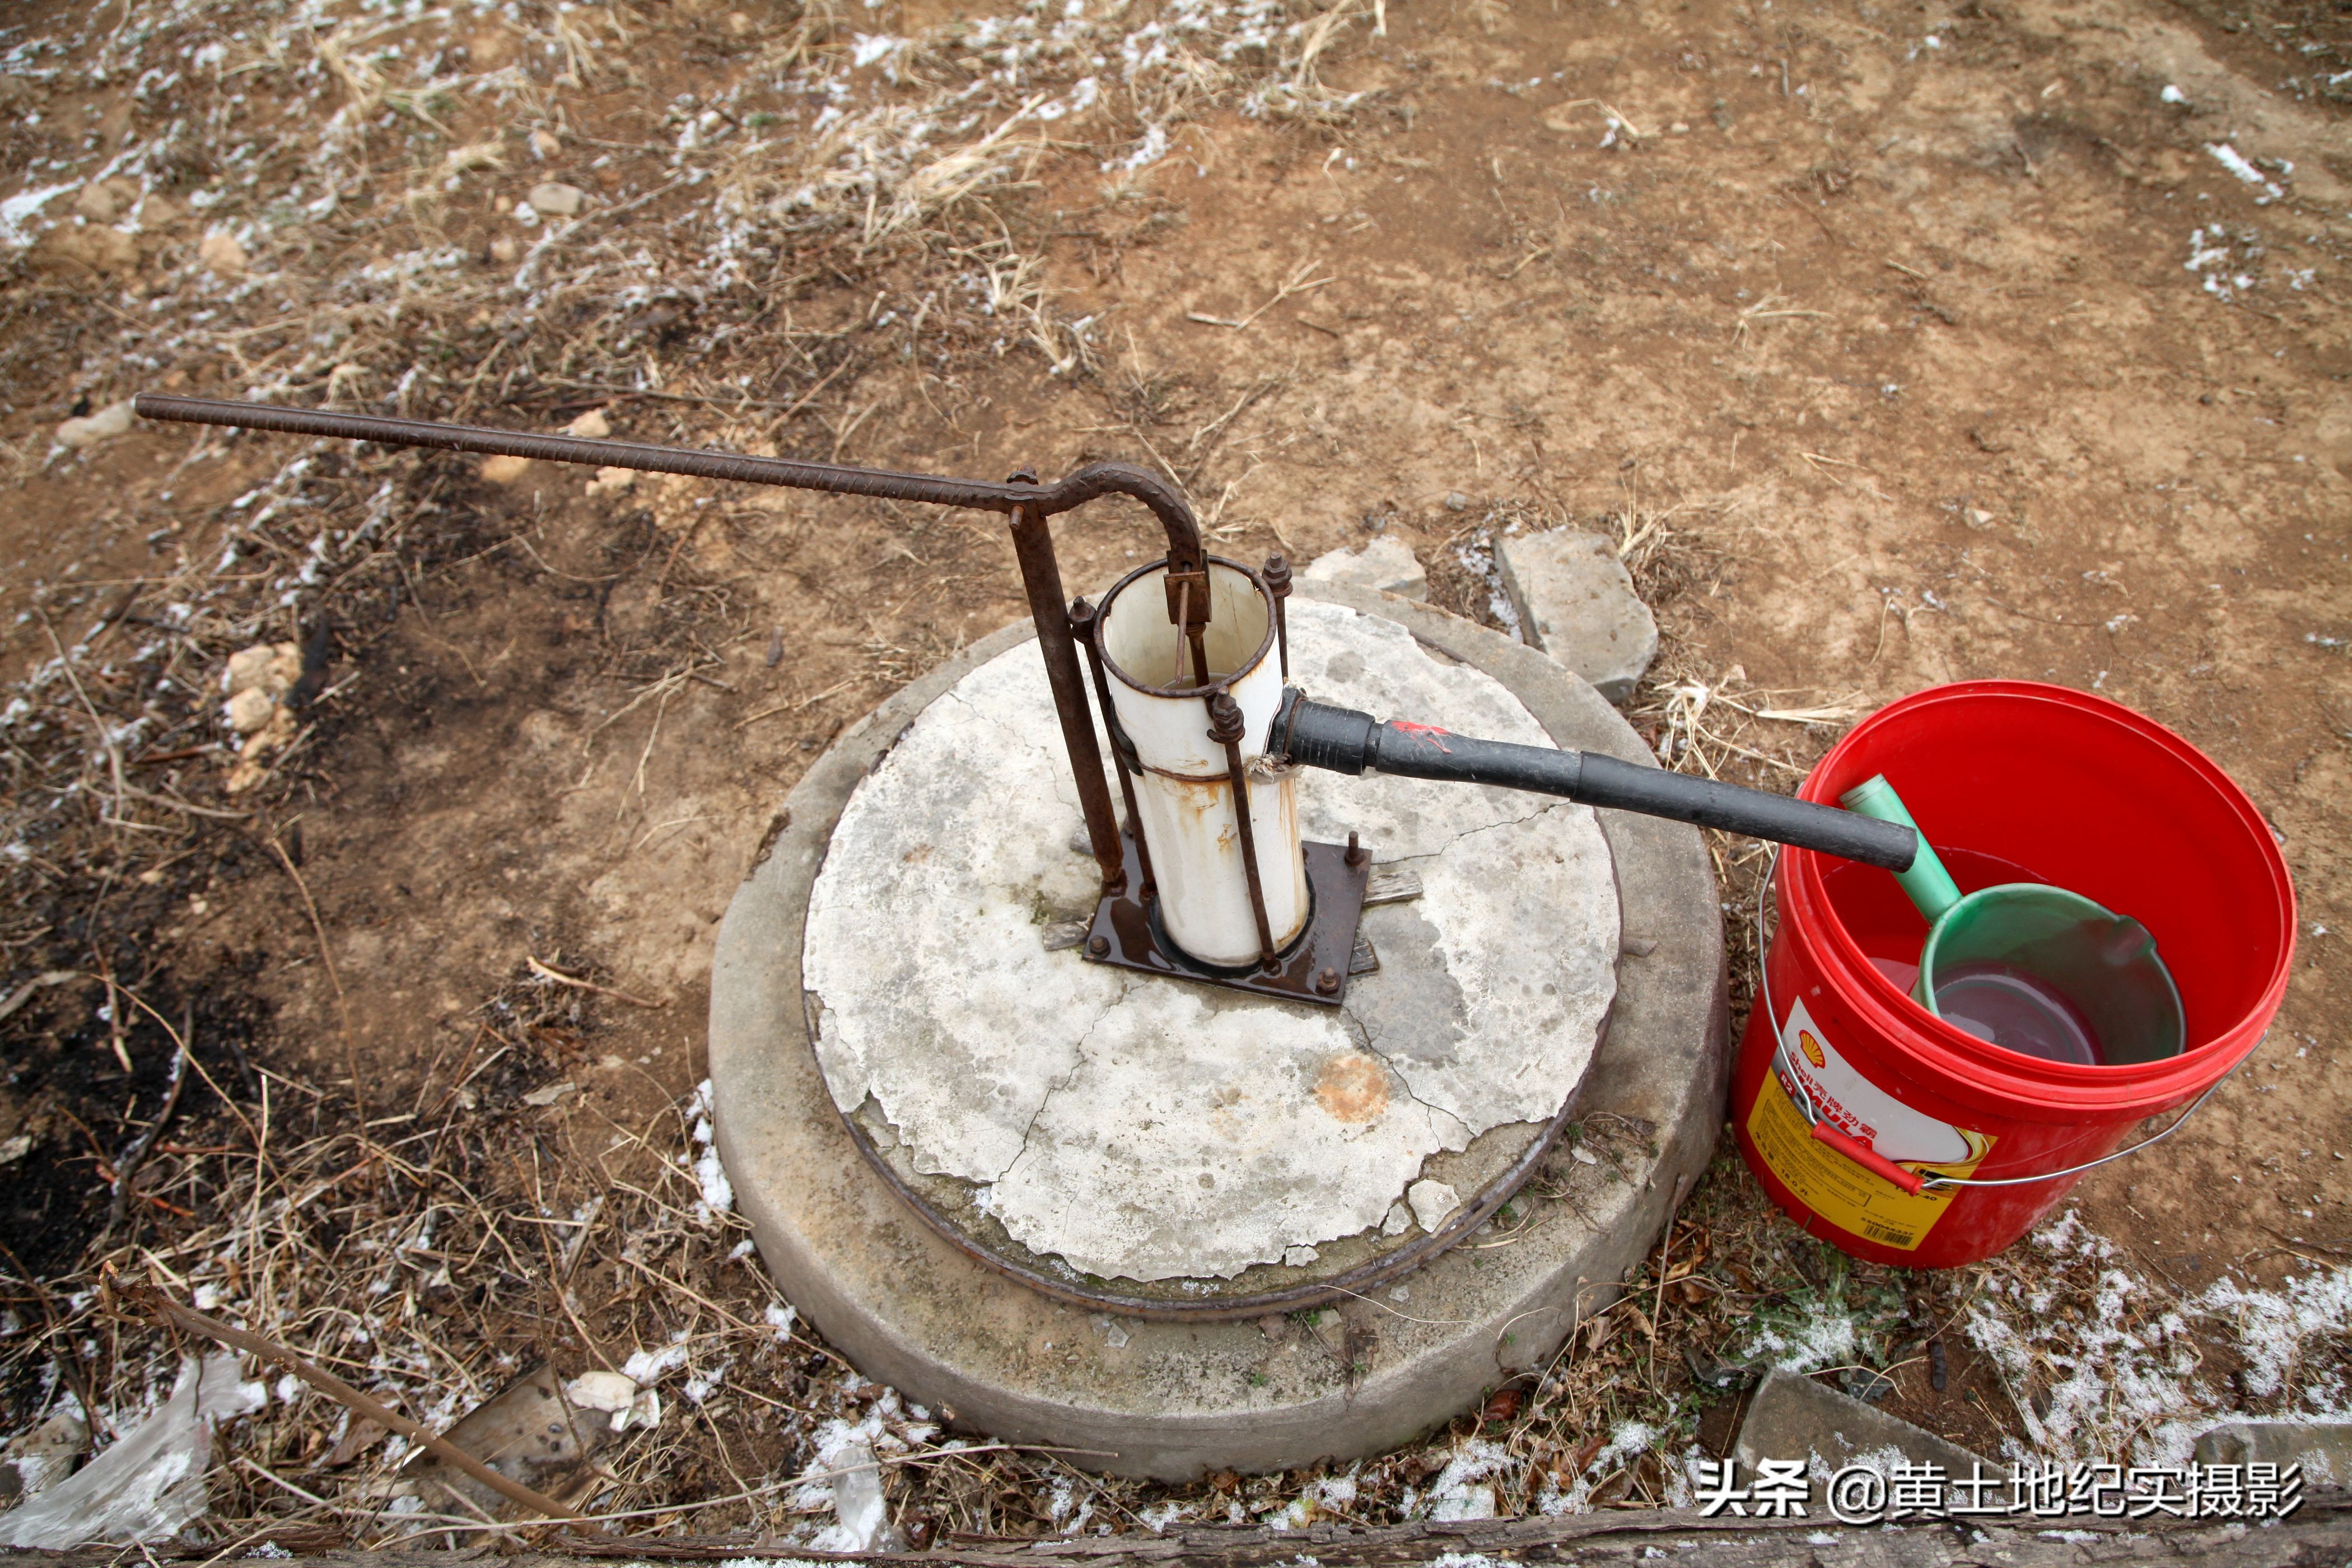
1832, 1186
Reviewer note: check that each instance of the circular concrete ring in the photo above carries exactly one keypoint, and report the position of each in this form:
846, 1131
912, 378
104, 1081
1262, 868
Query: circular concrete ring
1172, 1401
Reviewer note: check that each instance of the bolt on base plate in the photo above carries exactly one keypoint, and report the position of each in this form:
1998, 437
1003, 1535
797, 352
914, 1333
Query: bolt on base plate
1314, 966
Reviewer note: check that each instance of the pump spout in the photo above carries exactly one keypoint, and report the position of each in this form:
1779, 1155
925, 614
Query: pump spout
1315, 735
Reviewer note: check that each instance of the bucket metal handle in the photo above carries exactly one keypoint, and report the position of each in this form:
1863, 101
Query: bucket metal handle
1853, 1149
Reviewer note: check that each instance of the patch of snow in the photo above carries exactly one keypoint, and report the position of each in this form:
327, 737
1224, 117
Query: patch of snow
2229, 158
20, 208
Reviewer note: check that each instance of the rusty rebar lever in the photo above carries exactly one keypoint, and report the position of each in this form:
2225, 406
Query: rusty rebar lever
1041, 500
1317, 735
1028, 504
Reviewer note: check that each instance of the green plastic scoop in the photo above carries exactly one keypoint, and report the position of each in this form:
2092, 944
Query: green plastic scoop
2032, 968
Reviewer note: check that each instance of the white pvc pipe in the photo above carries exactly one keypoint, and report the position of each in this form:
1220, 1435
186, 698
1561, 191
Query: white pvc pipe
1184, 795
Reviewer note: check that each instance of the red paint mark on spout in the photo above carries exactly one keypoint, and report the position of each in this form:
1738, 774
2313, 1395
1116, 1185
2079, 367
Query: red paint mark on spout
1430, 732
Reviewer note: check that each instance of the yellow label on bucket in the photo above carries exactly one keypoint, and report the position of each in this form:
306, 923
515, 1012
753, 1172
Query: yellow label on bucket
1826, 1182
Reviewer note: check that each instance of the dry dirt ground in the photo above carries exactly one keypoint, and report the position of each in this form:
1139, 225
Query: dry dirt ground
1895, 344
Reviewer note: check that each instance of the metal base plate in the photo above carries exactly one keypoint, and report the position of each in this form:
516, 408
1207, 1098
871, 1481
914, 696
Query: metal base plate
1315, 967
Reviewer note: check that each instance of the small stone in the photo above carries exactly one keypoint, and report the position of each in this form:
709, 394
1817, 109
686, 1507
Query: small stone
737, 23
1977, 518
505, 251
157, 214
1679, 129
1385, 563
613, 481
1456, 501
603, 1390
590, 426
2323, 1448
252, 756
1432, 1202
1401, 1294
250, 710
1576, 603
222, 255
544, 143
556, 199
505, 469
78, 250
1298, 1256
45, 1455
1791, 1418
1061, 936
270, 669
96, 203
114, 420
542, 1097
1398, 1220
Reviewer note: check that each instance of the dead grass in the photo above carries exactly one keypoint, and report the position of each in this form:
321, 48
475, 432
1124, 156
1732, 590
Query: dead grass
743, 272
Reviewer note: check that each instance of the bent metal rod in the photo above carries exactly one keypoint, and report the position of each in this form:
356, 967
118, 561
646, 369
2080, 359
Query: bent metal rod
1028, 503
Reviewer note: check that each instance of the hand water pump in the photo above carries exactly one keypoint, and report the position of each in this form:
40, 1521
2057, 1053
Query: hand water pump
1188, 661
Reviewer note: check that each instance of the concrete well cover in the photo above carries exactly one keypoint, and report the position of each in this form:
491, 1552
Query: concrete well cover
1141, 1129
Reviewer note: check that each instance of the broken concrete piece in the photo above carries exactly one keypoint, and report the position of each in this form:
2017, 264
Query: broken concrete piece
1432, 1202
611, 481
1385, 563
2323, 1448
114, 420
1399, 1218
1576, 602
557, 200
591, 427
1792, 1417
504, 470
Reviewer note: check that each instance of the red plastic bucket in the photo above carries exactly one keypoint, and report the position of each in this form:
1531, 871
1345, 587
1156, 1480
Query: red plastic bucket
2015, 782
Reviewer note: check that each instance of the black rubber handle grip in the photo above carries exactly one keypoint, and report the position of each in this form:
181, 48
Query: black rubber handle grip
1315, 735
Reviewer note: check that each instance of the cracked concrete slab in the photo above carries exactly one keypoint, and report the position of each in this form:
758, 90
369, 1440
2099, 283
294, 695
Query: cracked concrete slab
1176, 1393
1149, 1130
